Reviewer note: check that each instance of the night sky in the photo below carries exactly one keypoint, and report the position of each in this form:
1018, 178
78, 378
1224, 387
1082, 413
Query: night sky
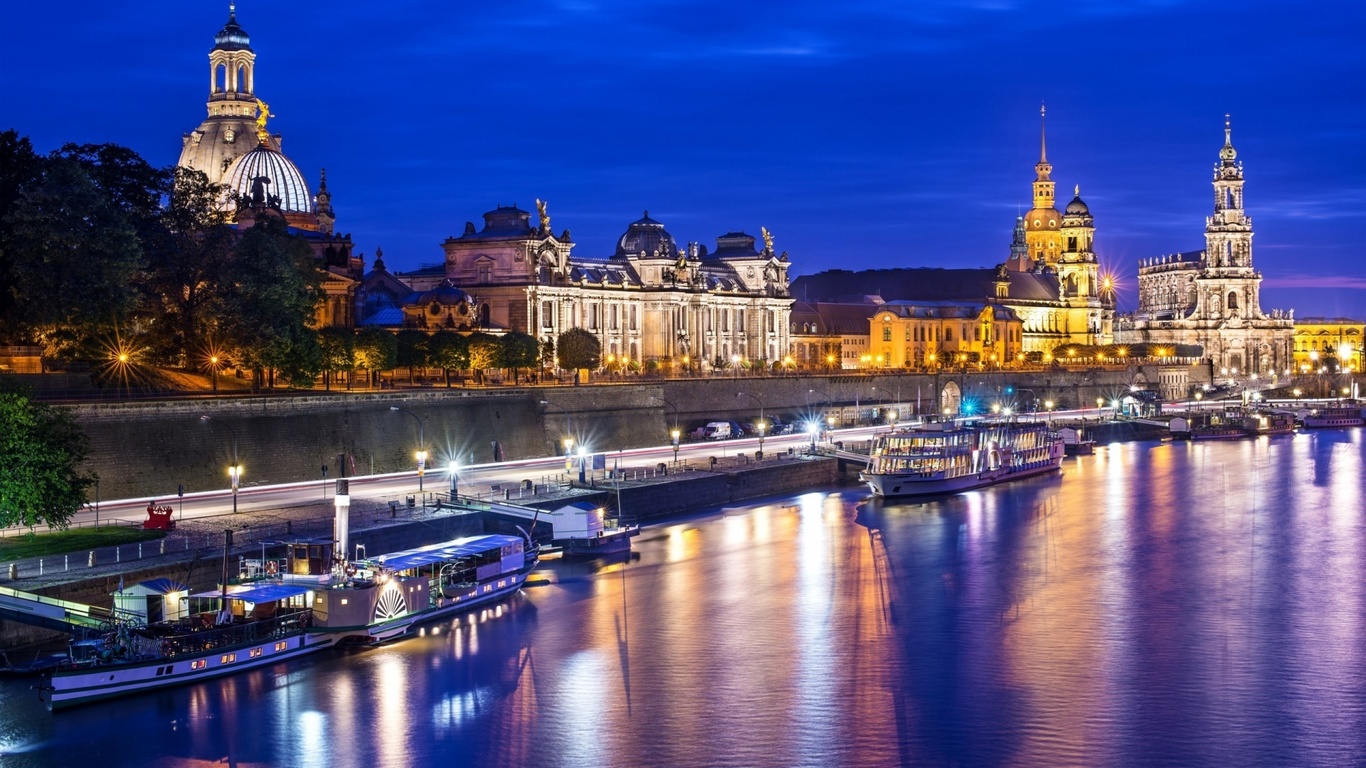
863, 134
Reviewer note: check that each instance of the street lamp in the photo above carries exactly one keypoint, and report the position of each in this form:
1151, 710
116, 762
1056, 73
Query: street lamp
235, 471
760, 401
675, 434
421, 444
1048, 408
453, 477
213, 371
735, 364
669, 403
568, 433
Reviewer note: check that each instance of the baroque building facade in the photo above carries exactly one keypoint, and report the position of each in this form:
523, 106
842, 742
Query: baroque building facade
1211, 298
650, 301
233, 147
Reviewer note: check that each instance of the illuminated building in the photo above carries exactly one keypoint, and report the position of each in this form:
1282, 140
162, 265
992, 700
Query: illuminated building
232, 147
1319, 338
650, 302
1211, 298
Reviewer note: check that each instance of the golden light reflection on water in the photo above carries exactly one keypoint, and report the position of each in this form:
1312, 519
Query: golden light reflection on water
1197, 603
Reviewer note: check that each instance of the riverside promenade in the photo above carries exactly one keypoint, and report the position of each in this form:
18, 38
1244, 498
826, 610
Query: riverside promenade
193, 553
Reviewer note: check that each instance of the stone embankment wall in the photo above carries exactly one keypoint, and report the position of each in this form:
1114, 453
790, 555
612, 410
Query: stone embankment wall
147, 449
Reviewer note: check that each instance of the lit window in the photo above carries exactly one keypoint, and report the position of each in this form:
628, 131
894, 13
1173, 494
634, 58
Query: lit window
255, 652
228, 658
282, 645
199, 664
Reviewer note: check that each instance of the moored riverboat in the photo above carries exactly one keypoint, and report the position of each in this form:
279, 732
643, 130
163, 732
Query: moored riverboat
1269, 423
950, 457
1217, 425
215, 634
1331, 418
385, 596
1075, 442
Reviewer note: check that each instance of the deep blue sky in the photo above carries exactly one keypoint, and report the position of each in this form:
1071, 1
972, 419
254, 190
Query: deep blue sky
863, 134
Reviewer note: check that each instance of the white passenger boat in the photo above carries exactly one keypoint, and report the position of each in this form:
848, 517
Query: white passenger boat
300, 605
1327, 418
386, 596
211, 636
949, 457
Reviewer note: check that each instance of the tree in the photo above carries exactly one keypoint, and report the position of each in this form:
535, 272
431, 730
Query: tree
484, 353
189, 255
412, 351
376, 350
337, 347
517, 350
20, 171
72, 253
41, 449
270, 302
548, 354
579, 349
449, 351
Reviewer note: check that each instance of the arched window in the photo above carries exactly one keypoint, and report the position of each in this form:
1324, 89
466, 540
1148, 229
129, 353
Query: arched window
1232, 300
886, 333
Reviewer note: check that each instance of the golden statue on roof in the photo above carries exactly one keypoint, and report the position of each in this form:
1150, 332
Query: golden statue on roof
545, 217
768, 239
262, 114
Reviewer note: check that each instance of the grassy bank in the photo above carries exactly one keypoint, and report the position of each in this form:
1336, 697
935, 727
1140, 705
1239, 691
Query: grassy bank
74, 540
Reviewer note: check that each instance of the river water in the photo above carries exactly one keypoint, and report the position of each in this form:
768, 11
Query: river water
1158, 604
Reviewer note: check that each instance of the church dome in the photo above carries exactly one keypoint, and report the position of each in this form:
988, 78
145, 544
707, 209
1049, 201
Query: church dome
1077, 208
646, 235
232, 37
1042, 220
286, 182
444, 294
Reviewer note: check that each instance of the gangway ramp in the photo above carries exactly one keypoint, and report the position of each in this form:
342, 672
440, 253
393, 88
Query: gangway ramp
49, 612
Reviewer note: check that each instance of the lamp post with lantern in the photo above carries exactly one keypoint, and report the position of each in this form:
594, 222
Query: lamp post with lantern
421, 444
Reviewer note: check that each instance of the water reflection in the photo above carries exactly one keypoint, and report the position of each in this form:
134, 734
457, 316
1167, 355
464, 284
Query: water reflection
1160, 604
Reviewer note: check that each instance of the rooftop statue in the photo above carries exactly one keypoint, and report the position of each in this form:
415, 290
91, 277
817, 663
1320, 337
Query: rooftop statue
262, 114
768, 239
545, 217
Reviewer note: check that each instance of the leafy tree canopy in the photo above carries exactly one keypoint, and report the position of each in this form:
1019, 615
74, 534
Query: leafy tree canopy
376, 349
579, 349
449, 350
41, 450
518, 350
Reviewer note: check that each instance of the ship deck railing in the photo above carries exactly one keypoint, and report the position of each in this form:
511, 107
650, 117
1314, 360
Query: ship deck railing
196, 634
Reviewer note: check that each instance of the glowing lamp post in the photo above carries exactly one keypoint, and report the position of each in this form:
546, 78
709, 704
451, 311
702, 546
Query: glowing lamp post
234, 471
674, 435
1048, 408
454, 478
421, 444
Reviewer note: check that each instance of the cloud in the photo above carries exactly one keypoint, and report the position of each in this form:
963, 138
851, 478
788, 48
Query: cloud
1316, 281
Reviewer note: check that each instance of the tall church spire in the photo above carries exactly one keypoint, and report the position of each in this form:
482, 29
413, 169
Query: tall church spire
1043, 182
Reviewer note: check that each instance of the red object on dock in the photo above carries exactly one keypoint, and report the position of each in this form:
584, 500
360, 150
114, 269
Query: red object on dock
159, 518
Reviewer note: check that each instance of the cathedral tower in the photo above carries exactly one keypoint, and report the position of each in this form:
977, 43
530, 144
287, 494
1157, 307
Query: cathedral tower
1043, 223
1229, 286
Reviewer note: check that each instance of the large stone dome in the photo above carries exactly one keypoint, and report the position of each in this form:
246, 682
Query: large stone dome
646, 236
286, 182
